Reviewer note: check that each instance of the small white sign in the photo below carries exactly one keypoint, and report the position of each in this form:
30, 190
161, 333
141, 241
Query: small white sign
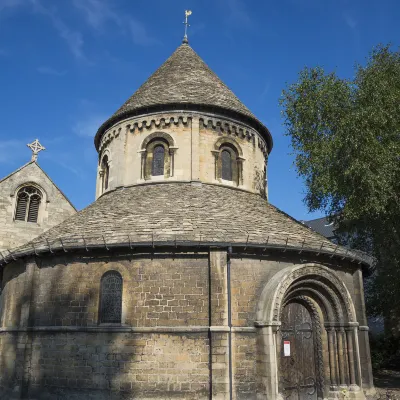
286, 348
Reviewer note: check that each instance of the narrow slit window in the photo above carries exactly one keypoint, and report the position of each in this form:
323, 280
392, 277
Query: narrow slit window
106, 173
28, 205
111, 298
158, 160
226, 170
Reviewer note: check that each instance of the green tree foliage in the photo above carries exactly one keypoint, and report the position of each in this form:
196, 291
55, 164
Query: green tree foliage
346, 139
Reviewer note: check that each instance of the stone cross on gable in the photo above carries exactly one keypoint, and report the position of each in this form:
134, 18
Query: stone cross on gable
36, 148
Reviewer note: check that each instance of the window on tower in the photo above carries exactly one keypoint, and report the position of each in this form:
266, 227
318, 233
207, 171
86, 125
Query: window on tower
157, 156
28, 203
158, 160
105, 173
228, 161
226, 168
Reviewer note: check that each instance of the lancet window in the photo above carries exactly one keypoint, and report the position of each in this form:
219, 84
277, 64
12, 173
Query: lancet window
28, 203
111, 298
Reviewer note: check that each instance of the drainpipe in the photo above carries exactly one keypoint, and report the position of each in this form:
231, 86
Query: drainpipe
228, 271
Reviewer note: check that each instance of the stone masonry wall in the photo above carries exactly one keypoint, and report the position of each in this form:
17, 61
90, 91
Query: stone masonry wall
176, 339
54, 208
193, 158
148, 365
158, 292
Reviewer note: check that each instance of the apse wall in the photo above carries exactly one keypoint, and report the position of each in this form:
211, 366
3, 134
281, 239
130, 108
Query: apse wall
173, 339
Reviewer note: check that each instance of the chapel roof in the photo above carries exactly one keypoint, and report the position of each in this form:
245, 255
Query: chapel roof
34, 164
183, 80
181, 213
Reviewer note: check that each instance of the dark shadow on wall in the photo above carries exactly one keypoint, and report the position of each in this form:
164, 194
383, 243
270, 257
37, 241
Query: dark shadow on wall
65, 354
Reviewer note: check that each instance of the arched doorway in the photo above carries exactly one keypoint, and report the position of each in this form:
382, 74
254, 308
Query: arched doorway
299, 340
309, 308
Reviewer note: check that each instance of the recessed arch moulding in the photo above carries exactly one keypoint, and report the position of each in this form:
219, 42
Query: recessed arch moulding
193, 143
337, 356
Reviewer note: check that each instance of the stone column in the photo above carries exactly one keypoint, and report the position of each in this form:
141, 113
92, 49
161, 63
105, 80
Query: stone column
216, 157
365, 359
195, 146
340, 335
350, 352
143, 154
332, 358
267, 362
363, 339
219, 325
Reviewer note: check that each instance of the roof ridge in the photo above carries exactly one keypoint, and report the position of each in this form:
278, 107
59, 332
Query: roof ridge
17, 170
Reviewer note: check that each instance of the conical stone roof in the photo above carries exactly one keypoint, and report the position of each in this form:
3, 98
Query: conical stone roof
184, 79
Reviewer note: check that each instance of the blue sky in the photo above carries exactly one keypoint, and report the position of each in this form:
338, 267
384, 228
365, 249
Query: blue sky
67, 65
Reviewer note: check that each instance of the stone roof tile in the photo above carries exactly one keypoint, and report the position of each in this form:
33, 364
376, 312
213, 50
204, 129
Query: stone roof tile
183, 79
184, 212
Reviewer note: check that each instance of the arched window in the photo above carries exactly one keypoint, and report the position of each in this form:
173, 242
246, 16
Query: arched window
226, 167
105, 170
28, 204
111, 298
228, 161
157, 167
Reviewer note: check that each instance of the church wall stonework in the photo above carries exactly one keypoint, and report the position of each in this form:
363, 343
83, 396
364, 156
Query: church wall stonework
182, 317
54, 207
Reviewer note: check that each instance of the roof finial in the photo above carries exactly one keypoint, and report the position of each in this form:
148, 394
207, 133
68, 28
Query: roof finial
185, 38
36, 148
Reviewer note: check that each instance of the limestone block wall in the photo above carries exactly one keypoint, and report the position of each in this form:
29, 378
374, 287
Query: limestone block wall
188, 326
54, 208
194, 138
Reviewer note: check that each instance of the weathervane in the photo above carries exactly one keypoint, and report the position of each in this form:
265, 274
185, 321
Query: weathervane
36, 148
187, 14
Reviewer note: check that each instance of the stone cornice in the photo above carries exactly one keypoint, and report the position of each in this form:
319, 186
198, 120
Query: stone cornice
221, 112
231, 128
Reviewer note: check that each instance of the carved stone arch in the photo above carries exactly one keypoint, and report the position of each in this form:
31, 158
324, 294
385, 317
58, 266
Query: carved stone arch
275, 291
319, 298
227, 140
322, 288
18, 186
158, 135
105, 152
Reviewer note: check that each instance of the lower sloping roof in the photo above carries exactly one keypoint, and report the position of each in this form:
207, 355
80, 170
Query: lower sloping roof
155, 213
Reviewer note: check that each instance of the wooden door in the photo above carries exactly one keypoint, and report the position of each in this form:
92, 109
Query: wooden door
297, 369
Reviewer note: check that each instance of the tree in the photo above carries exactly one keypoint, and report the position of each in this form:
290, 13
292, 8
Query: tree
346, 139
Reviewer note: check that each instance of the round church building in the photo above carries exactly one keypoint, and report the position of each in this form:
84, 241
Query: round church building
181, 281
